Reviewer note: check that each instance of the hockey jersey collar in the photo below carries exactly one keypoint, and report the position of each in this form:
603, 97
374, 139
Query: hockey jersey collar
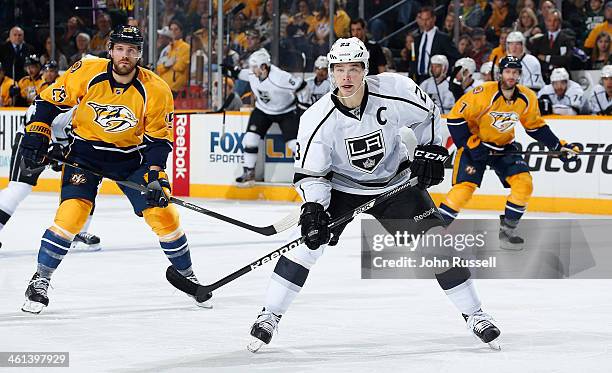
515, 94
115, 84
350, 112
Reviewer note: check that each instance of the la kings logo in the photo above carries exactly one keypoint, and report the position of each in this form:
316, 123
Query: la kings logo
366, 152
113, 118
264, 96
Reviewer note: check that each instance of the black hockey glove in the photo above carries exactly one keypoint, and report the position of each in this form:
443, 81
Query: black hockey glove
428, 165
35, 145
56, 155
159, 189
314, 221
230, 71
569, 151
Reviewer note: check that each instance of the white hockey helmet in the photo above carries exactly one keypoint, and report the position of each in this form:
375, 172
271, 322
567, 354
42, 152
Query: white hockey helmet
321, 62
439, 59
515, 37
348, 50
486, 67
259, 57
467, 65
559, 74
606, 71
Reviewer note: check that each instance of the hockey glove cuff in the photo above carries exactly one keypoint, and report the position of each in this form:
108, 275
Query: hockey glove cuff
314, 221
428, 165
159, 189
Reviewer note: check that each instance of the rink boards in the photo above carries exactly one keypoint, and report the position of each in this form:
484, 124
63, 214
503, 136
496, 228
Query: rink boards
208, 156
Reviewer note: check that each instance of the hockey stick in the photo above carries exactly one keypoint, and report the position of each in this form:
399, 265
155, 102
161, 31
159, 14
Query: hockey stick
549, 152
204, 292
282, 225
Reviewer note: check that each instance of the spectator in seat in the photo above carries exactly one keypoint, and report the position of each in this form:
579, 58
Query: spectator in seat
67, 42
499, 52
377, 59
83, 41
449, 25
595, 15
99, 41
263, 24
601, 53
605, 26
531, 74
431, 41
545, 8
232, 101
480, 49
527, 23
498, 14
531, 4
342, 21
5, 88
60, 58
553, 48
407, 55
471, 14
14, 52
464, 47
172, 66
600, 101
563, 96
164, 38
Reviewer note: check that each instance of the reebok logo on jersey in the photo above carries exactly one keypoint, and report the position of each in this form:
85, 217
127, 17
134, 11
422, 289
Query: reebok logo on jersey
504, 121
113, 118
366, 152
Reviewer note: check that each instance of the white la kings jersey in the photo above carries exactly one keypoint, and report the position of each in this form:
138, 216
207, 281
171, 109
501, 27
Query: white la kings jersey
61, 127
360, 151
599, 102
277, 93
531, 74
573, 98
439, 93
313, 91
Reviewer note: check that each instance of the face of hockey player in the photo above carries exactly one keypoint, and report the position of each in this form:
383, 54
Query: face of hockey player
124, 57
348, 77
607, 83
436, 70
515, 49
49, 75
510, 78
560, 87
321, 74
33, 70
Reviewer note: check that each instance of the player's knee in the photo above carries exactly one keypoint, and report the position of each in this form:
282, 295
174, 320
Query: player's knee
164, 222
250, 141
459, 195
304, 256
521, 188
71, 217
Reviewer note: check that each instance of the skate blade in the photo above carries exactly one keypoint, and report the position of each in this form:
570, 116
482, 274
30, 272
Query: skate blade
80, 246
255, 345
32, 307
511, 247
206, 304
247, 184
494, 345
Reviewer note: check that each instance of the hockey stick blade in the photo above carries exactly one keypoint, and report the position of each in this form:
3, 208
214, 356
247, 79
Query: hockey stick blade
202, 291
281, 225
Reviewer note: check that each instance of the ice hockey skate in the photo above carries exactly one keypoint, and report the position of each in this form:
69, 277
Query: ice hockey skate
508, 240
247, 179
86, 242
263, 329
36, 295
481, 324
207, 303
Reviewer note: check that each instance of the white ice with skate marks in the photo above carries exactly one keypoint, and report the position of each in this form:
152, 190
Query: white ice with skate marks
114, 311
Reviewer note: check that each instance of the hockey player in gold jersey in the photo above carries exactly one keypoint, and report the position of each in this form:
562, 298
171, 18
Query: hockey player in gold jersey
122, 128
482, 127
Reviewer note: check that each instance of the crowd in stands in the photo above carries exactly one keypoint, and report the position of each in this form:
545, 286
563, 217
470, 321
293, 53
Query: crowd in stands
545, 34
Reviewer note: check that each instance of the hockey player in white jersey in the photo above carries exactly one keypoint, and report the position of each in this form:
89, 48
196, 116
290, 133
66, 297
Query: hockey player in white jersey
350, 149
316, 86
562, 96
22, 179
600, 101
436, 86
275, 91
462, 78
531, 75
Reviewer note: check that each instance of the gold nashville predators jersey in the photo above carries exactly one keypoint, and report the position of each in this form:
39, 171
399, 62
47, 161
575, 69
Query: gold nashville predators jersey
120, 115
492, 118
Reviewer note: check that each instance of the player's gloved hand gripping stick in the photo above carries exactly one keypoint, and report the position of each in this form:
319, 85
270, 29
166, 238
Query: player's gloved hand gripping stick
282, 225
204, 292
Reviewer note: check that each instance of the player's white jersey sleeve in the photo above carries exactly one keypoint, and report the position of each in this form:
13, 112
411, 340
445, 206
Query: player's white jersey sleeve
245, 74
531, 76
599, 101
439, 93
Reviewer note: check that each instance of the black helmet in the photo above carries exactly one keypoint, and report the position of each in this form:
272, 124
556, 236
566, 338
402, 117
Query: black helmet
51, 65
128, 35
31, 60
510, 62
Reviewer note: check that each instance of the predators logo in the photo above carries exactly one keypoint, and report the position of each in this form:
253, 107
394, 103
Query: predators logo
113, 118
504, 121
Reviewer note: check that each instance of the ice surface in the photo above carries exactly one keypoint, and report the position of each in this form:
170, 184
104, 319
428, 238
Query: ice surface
114, 311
